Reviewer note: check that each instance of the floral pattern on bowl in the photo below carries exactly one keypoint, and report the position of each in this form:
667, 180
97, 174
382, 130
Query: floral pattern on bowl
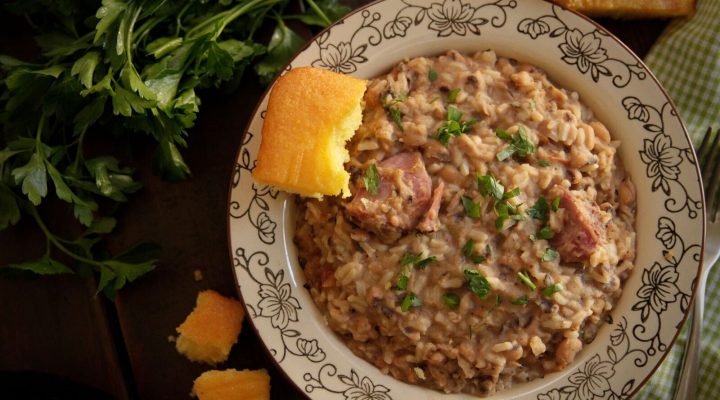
578, 55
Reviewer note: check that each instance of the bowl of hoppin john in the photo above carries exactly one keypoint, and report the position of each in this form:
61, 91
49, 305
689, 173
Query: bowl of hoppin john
457, 199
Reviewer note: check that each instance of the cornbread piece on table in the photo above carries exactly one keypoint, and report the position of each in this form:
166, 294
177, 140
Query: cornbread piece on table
233, 385
311, 114
631, 8
208, 333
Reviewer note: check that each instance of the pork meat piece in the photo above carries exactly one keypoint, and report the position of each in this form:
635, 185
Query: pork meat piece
404, 195
582, 230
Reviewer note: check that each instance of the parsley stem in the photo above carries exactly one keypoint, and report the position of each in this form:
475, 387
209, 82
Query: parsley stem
54, 240
319, 12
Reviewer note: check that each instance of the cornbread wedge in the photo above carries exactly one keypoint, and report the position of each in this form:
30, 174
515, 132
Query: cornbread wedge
233, 385
311, 114
634, 8
208, 333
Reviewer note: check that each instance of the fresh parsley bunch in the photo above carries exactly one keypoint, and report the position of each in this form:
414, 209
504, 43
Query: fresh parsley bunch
121, 67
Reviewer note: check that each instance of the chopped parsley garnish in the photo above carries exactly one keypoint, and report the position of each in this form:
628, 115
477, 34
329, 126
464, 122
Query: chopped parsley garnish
410, 301
417, 260
520, 301
549, 255
453, 126
545, 233
452, 96
396, 116
402, 282
451, 300
392, 108
544, 163
526, 280
422, 264
520, 144
472, 209
371, 179
432, 75
505, 211
478, 284
489, 186
468, 247
467, 251
556, 204
552, 289
540, 210
409, 258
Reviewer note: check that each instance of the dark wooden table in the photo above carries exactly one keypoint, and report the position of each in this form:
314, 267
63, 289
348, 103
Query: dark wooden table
56, 328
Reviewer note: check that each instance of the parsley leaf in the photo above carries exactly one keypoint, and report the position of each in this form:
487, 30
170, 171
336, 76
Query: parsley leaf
544, 163
545, 233
453, 127
467, 251
472, 209
520, 144
432, 75
522, 300
371, 179
417, 260
422, 264
539, 211
33, 177
284, 42
526, 280
556, 204
409, 258
410, 301
489, 186
42, 266
402, 282
478, 284
550, 255
452, 300
452, 96
552, 289
391, 107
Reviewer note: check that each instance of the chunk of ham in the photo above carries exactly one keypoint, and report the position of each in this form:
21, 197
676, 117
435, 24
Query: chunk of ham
404, 195
582, 229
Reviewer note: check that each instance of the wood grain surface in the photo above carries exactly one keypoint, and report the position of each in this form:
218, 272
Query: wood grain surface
58, 326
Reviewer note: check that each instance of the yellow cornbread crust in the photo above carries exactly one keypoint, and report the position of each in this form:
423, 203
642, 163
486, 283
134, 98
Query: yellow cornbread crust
210, 330
311, 113
635, 8
233, 385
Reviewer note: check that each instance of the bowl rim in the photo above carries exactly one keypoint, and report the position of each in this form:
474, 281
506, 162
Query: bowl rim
599, 27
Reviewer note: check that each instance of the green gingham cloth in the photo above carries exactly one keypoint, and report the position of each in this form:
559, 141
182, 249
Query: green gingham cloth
686, 59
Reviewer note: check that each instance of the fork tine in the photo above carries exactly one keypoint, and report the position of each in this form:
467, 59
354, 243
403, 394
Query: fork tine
701, 151
708, 161
712, 180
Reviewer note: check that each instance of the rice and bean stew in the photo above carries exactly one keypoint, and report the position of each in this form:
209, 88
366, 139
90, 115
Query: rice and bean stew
490, 229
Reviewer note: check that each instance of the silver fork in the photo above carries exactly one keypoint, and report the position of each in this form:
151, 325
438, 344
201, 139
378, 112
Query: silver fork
709, 161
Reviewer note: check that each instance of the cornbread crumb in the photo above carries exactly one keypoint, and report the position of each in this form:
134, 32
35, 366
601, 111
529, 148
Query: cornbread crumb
311, 113
197, 275
171, 339
231, 384
208, 333
634, 9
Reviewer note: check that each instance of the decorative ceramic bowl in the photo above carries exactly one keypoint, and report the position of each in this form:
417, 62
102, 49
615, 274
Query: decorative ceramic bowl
578, 55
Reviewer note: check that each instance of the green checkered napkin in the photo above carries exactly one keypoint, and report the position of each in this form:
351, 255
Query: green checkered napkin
686, 59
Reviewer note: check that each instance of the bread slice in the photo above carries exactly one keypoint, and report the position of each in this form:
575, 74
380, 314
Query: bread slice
208, 333
233, 385
311, 114
634, 8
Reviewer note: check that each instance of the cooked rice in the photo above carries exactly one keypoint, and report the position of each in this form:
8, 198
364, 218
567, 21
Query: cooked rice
352, 259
